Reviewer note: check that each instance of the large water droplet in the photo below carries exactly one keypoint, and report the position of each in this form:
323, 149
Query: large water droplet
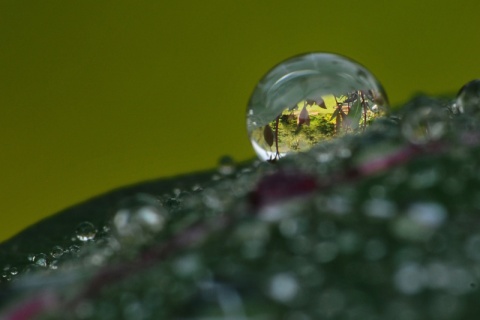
139, 218
308, 99
468, 98
85, 231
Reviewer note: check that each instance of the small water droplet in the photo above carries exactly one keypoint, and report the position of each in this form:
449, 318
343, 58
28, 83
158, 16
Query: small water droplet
326, 251
379, 208
85, 231
410, 278
472, 247
74, 248
226, 165
283, 287
325, 157
344, 153
420, 221
289, 227
338, 204
349, 242
6, 276
197, 188
187, 266
375, 249
438, 275
428, 214
377, 191
327, 229
425, 123
56, 252
468, 98
331, 303
139, 218
213, 200
309, 99
53, 265
40, 260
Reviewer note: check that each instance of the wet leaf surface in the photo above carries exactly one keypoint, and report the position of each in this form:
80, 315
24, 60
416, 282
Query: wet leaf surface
366, 226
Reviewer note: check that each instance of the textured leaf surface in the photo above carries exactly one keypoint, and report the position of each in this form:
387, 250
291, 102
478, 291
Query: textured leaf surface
368, 226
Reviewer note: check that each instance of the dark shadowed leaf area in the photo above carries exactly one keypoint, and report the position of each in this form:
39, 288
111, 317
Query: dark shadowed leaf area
379, 225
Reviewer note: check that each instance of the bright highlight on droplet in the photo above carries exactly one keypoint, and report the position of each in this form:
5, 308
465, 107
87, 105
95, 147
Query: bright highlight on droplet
309, 99
468, 98
85, 231
138, 219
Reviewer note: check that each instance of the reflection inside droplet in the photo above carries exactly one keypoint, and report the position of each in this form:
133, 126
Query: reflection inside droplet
311, 98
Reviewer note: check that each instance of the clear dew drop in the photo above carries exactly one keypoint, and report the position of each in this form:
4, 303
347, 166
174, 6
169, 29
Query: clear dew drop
309, 99
138, 219
74, 249
85, 231
6, 276
40, 260
226, 165
53, 265
468, 98
13, 271
425, 124
56, 252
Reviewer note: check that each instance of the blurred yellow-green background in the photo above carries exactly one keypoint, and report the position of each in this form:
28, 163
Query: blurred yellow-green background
99, 94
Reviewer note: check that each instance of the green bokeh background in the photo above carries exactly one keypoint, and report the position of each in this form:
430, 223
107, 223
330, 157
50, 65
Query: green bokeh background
99, 94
